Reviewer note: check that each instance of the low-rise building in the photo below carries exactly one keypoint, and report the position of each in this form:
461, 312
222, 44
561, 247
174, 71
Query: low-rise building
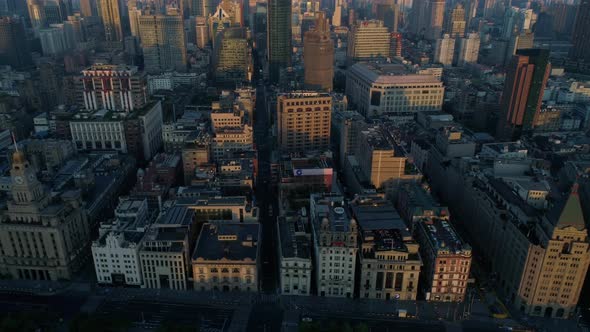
335, 245
116, 251
389, 260
295, 249
226, 257
447, 260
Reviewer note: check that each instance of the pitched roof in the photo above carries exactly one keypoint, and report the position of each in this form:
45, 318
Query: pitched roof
570, 211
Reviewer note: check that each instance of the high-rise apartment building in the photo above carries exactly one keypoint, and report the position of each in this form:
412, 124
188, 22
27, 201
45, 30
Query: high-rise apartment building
201, 32
163, 42
468, 49
436, 14
523, 92
444, 50
278, 33
14, 50
368, 40
456, 24
110, 13
134, 13
43, 236
88, 8
318, 55
304, 121
112, 87
581, 35
335, 235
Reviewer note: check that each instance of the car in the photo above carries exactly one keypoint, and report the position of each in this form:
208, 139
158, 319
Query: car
307, 319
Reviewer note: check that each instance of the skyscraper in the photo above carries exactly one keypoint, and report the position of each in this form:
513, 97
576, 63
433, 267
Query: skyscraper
278, 37
135, 12
436, 11
468, 49
36, 14
523, 92
14, 50
88, 8
581, 36
111, 20
318, 55
232, 56
163, 42
455, 25
444, 50
419, 18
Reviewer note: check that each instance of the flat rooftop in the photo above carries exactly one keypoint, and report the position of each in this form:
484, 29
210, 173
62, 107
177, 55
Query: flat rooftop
229, 241
394, 74
294, 243
442, 236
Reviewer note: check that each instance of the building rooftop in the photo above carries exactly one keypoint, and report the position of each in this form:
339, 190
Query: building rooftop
228, 241
442, 236
395, 74
176, 216
295, 241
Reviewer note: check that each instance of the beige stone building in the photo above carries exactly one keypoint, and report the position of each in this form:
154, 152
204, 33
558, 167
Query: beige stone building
226, 257
42, 237
304, 121
540, 256
389, 258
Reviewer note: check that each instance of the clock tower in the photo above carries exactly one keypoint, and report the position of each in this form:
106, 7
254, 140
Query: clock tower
26, 188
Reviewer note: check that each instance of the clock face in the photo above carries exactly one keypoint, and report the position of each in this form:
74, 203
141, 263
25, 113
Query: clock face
18, 179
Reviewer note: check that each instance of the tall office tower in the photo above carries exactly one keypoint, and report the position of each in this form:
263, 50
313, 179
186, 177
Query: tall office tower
201, 32
455, 25
436, 11
523, 92
36, 14
14, 50
304, 121
318, 55
163, 42
337, 16
470, 11
419, 18
111, 87
55, 11
395, 47
564, 17
228, 14
232, 57
88, 8
489, 8
278, 37
368, 40
111, 20
468, 49
135, 12
208, 7
444, 50
517, 42
43, 236
581, 36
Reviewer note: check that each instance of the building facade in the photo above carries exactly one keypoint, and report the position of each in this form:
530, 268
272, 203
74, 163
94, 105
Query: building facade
163, 42
318, 48
110, 13
335, 245
226, 257
42, 238
368, 40
304, 121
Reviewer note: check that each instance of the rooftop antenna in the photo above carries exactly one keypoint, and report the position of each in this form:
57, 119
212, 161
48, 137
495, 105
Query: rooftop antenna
14, 141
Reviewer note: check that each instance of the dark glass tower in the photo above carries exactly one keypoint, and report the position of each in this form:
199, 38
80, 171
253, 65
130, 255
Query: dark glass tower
14, 50
525, 83
278, 33
581, 35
